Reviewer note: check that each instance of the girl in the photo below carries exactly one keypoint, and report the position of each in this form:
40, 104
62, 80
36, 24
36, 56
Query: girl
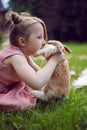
19, 75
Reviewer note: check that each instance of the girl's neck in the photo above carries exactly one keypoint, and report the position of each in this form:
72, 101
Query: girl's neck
23, 49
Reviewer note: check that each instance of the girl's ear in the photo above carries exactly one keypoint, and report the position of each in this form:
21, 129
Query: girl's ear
22, 41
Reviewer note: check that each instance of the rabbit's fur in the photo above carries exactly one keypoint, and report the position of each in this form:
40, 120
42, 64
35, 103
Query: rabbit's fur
59, 84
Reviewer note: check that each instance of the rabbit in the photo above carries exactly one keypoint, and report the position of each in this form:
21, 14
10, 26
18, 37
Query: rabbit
59, 84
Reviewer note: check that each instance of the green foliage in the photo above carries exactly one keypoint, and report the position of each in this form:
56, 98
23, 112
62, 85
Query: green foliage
67, 114
25, 5
1, 38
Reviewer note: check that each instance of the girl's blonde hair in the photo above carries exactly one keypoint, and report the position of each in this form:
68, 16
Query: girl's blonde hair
20, 25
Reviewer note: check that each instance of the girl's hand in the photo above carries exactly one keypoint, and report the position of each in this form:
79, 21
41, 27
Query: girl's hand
58, 58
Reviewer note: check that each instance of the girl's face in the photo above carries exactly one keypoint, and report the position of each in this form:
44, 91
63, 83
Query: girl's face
36, 39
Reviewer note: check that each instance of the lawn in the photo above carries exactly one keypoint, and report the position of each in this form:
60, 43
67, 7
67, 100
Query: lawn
68, 114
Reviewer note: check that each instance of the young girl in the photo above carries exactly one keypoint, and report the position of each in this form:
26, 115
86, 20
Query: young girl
19, 75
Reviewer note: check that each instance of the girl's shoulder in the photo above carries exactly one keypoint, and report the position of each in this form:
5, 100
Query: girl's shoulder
9, 51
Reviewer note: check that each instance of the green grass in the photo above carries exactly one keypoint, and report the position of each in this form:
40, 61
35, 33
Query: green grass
68, 114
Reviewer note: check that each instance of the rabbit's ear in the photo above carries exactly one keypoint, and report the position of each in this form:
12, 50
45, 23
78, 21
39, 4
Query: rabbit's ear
67, 49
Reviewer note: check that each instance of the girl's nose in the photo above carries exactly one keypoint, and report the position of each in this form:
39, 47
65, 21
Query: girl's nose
44, 42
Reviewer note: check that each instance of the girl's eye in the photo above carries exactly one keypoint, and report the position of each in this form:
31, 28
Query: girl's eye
39, 37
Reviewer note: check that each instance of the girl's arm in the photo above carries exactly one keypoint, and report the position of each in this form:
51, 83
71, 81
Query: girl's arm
35, 66
35, 79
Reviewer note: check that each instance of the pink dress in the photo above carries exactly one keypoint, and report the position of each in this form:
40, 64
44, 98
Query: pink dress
14, 93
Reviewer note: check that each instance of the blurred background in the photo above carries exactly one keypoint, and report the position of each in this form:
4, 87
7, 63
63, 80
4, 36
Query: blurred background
66, 20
